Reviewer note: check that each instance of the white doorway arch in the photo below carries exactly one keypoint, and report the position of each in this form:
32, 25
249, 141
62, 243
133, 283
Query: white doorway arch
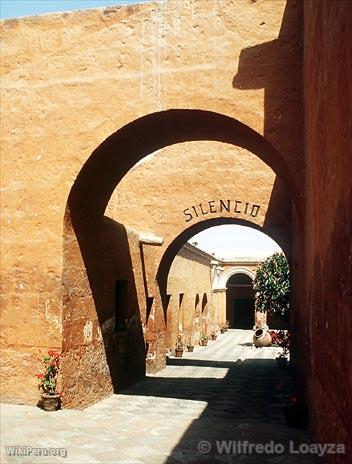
236, 270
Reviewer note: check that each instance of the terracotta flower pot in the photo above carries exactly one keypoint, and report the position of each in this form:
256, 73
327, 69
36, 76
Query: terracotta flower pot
204, 342
190, 348
50, 401
262, 338
213, 337
178, 353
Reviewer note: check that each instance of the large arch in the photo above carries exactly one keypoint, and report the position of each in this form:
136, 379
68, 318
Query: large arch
107, 165
97, 250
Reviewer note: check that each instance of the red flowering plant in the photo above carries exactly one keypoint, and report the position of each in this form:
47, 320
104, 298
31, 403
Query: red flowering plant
48, 380
281, 339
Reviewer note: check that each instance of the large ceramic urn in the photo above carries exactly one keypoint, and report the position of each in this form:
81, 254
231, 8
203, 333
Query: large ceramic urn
262, 337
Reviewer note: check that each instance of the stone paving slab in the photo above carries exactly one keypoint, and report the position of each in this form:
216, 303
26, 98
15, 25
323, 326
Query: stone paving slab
226, 391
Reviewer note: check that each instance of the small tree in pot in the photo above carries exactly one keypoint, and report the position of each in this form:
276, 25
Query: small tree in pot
272, 290
281, 339
272, 286
179, 347
190, 344
215, 332
204, 340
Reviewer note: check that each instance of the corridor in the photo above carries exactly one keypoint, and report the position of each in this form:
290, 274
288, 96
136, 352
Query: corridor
228, 391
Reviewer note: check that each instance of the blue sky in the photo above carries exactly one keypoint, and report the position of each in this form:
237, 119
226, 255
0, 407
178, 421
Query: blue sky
15, 8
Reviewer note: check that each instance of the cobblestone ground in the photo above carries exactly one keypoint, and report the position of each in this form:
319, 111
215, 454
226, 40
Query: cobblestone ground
228, 391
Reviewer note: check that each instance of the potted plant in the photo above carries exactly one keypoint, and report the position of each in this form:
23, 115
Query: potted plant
179, 347
272, 286
281, 339
204, 340
214, 334
48, 381
222, 327
227, 325
190, 344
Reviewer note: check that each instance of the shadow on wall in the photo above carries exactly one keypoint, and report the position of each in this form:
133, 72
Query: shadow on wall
103, 344
276, 67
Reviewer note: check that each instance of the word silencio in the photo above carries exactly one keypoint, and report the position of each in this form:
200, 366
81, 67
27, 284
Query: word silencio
221, 206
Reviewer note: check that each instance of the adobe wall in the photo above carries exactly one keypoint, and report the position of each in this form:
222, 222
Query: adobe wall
69, 80
192, 312
189, 183
327, 310
103, 338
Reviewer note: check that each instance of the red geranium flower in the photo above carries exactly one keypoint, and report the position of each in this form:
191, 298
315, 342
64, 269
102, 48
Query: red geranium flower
40, 376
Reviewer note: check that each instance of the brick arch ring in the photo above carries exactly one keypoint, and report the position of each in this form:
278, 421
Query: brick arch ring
111, 160
181, 239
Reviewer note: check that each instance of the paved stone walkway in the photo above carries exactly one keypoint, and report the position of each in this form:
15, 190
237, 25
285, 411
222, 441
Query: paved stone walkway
228, 391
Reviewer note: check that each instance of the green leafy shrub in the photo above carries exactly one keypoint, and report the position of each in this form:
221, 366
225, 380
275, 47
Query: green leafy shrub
272, 286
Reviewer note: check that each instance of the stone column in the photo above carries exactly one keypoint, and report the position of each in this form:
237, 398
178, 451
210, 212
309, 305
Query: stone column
220, 299
260, 320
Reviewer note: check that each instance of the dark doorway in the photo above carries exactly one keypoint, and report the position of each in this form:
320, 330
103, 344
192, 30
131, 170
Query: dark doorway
240, 301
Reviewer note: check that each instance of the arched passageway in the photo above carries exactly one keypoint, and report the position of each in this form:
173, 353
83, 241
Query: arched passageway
100, 254
240, 301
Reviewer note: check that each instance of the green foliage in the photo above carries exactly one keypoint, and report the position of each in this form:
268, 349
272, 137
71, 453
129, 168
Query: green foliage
272, 286
48, 379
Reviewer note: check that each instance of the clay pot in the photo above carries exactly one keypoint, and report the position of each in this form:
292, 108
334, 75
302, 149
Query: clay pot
204, 342
190, 348
50, 401
213, 337
178, 353
262, 338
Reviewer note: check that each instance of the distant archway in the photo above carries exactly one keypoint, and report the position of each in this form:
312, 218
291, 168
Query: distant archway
240, 300
233, 271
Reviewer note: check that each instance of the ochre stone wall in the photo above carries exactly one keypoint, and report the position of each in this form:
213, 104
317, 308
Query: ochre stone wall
326, 317
99, 356
189, 183
69, 81
193, 312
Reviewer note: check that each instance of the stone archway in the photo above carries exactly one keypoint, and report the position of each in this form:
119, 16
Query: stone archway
240, 311
98, 252
235, 270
